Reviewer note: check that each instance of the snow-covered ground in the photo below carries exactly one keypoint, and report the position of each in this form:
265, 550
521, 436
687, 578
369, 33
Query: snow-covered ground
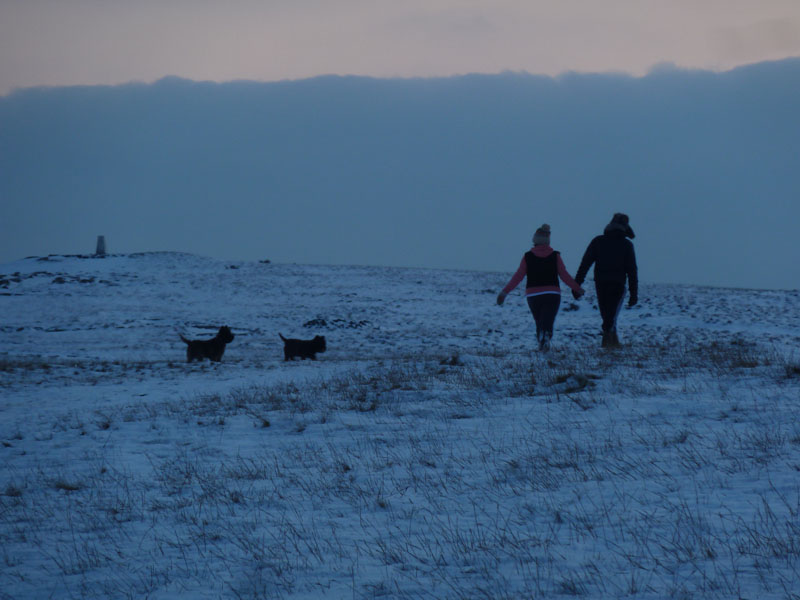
429, 453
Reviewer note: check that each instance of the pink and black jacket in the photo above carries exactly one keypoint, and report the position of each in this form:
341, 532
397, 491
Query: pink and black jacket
543, 267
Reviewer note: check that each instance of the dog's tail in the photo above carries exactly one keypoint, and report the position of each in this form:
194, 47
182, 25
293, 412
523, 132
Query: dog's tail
283, 338
185, 341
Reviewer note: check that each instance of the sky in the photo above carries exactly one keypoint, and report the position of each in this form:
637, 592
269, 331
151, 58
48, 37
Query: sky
87, 42
205, 128
438, 172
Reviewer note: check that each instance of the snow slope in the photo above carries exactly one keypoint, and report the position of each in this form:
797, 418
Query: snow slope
430, 452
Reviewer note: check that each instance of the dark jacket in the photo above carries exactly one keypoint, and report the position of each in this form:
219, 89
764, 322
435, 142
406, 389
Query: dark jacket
541, 271
614, 260
541, 282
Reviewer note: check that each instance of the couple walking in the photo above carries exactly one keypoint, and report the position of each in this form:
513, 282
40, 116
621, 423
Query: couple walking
614, 261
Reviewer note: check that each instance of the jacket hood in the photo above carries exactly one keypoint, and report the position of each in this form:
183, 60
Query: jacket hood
621, 228
542, 251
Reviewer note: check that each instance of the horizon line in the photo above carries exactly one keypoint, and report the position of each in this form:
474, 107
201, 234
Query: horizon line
656, 69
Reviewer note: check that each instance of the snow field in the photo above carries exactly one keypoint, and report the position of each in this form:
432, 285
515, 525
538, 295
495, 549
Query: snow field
430, 453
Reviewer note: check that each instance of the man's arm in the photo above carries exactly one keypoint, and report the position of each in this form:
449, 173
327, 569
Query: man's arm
633, 275
586, 262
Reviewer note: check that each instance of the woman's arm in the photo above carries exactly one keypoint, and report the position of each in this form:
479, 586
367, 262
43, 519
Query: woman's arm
566, 277
516, 278
514, 281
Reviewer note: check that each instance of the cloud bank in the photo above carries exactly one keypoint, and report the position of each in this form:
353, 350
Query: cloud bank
446, 172
89, 42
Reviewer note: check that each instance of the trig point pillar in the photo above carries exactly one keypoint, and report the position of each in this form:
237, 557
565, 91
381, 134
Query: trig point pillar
101, 245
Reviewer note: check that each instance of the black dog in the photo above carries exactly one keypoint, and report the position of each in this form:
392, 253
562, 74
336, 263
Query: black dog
303, 348
212, 349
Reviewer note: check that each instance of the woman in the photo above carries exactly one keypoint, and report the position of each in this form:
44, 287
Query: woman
543, 266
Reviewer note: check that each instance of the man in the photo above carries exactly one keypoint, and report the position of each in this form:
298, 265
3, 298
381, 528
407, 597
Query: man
614, 261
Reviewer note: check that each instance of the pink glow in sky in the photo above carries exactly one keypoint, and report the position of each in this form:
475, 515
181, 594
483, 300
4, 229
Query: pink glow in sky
66, 42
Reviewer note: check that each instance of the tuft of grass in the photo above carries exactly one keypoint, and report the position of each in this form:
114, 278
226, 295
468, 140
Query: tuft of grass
10, 365
12, 491
67, 486
571, 383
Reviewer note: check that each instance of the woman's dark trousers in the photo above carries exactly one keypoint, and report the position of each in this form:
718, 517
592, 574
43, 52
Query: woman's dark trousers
544, 308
